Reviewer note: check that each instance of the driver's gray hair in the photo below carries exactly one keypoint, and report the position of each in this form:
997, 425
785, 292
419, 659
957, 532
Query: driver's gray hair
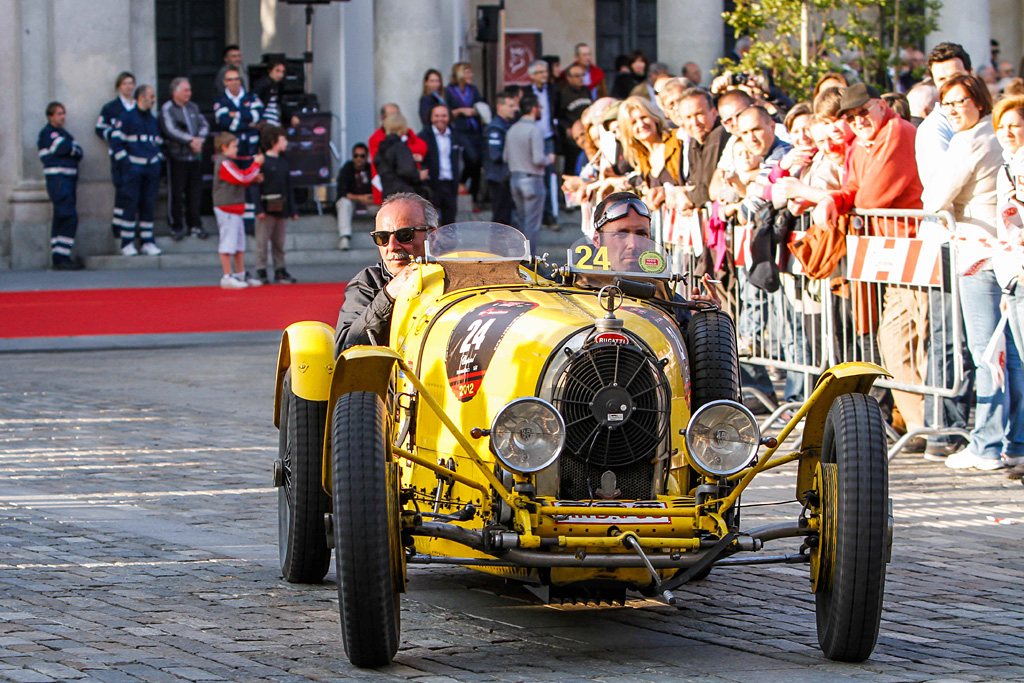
430, 214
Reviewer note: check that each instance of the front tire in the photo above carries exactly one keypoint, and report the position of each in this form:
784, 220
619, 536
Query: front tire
365, 495
854, 526
714, 363
301, 499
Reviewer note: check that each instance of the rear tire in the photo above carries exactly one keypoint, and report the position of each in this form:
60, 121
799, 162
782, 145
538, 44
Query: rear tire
301, 499
850, 588
714, 363
366, 530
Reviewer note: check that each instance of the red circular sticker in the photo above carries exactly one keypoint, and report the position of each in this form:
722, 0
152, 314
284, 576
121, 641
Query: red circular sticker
319, 130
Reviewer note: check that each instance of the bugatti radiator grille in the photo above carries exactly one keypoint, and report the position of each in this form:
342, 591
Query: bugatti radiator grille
615, 402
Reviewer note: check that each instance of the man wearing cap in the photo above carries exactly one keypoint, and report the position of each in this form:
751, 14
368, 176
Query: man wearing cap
883, 175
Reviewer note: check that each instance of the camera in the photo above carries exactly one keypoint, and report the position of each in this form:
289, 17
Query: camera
739, 78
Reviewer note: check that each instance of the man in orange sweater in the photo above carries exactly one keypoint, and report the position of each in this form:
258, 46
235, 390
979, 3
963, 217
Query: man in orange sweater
883, 175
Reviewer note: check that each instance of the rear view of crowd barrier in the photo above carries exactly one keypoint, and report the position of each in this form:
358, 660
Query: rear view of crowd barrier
893, 300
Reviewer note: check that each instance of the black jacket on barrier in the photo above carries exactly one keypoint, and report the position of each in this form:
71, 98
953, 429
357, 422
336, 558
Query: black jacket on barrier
366, 310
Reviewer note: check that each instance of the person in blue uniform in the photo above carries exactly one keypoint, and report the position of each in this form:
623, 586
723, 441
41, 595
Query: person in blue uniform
506, 107
111, 113
60, 155
237, 112
136, 143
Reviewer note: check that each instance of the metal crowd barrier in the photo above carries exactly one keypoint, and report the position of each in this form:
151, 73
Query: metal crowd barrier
897, 304
894, 301
781, 330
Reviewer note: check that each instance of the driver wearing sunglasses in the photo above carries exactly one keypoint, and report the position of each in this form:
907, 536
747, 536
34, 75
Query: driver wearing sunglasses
400, 233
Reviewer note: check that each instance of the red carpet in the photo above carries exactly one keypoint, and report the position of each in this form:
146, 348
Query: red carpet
165, 310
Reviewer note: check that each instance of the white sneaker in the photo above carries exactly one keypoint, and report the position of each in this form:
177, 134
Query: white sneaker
1013, 460
343, 244
967, 459
232, 282
129, 250
150, 249
251, 280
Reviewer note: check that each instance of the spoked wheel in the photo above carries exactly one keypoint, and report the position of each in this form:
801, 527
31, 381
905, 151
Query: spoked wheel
368, 548
848, 564
301, 499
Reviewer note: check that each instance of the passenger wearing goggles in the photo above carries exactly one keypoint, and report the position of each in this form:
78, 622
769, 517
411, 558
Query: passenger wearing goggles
623, 214
400, 234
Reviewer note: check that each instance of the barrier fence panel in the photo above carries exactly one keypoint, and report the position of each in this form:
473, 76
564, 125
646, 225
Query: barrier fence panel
781, 329
896, 303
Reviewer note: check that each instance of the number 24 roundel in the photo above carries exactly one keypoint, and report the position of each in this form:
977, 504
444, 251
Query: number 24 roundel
473, 341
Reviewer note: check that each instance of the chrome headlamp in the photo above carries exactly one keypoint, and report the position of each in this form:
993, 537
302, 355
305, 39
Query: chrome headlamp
527, 435
722, 438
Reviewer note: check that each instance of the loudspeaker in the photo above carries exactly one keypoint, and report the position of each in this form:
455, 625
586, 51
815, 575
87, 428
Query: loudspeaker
487, 22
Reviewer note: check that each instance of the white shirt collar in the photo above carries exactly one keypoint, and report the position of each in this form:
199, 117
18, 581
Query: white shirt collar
447, 131
127, 104
236, 100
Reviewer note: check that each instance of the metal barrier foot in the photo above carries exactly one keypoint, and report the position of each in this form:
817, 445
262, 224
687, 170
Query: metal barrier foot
779, 412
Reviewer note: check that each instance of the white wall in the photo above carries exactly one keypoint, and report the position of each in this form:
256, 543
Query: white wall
966, 23
690, 31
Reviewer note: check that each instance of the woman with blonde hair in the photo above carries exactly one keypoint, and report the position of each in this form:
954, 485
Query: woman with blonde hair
461, 96
394, 162
650, 148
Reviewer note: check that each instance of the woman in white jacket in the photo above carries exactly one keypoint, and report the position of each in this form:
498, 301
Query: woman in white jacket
967, 187
1008, 266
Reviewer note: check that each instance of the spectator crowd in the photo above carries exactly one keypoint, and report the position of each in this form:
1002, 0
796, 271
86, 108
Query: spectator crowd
738, 171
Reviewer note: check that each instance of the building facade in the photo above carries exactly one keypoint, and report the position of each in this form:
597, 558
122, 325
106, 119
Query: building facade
365, 53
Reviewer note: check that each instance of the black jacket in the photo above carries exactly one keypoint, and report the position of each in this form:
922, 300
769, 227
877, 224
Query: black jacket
459, 153
366, 310
396, 167
275, 196
703, 160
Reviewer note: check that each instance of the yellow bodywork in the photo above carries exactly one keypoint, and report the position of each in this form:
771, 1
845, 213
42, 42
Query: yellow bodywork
307, 348
446, 468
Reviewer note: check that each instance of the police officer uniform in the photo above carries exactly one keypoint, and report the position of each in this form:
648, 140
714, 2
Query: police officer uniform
136, 142
60, 155
249, 111
497, 171
112, 112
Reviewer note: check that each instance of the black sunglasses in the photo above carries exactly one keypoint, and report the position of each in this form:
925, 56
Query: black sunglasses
619, 210
358, 156
403, 235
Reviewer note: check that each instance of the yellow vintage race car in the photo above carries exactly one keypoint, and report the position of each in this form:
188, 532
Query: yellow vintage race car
557, 425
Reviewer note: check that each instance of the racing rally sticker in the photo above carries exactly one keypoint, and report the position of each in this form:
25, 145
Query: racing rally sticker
473, 341
651, 262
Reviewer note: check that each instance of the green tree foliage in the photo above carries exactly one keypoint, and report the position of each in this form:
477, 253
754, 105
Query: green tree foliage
833, 26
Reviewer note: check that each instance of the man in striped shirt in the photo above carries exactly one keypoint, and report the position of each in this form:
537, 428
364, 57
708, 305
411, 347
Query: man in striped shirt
60, 155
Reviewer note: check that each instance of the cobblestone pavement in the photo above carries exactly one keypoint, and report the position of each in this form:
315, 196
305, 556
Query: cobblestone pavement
138, 543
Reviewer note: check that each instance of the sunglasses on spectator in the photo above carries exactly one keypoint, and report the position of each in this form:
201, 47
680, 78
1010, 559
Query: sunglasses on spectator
955, 104
358, 156
861, 113
620, 209
403, 235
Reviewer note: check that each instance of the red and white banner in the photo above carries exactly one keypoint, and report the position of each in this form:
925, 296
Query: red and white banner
894, 260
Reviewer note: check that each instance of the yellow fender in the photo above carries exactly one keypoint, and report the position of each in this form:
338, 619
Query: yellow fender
845, 378
308, 347
359, 368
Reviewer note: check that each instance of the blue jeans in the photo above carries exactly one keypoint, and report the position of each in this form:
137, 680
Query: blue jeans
550, 203
1015, 384
954, 411
979, 300
528, 195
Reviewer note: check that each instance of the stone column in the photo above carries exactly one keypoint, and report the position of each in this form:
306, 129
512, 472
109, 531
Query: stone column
966, 23
691, 31
408, 41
